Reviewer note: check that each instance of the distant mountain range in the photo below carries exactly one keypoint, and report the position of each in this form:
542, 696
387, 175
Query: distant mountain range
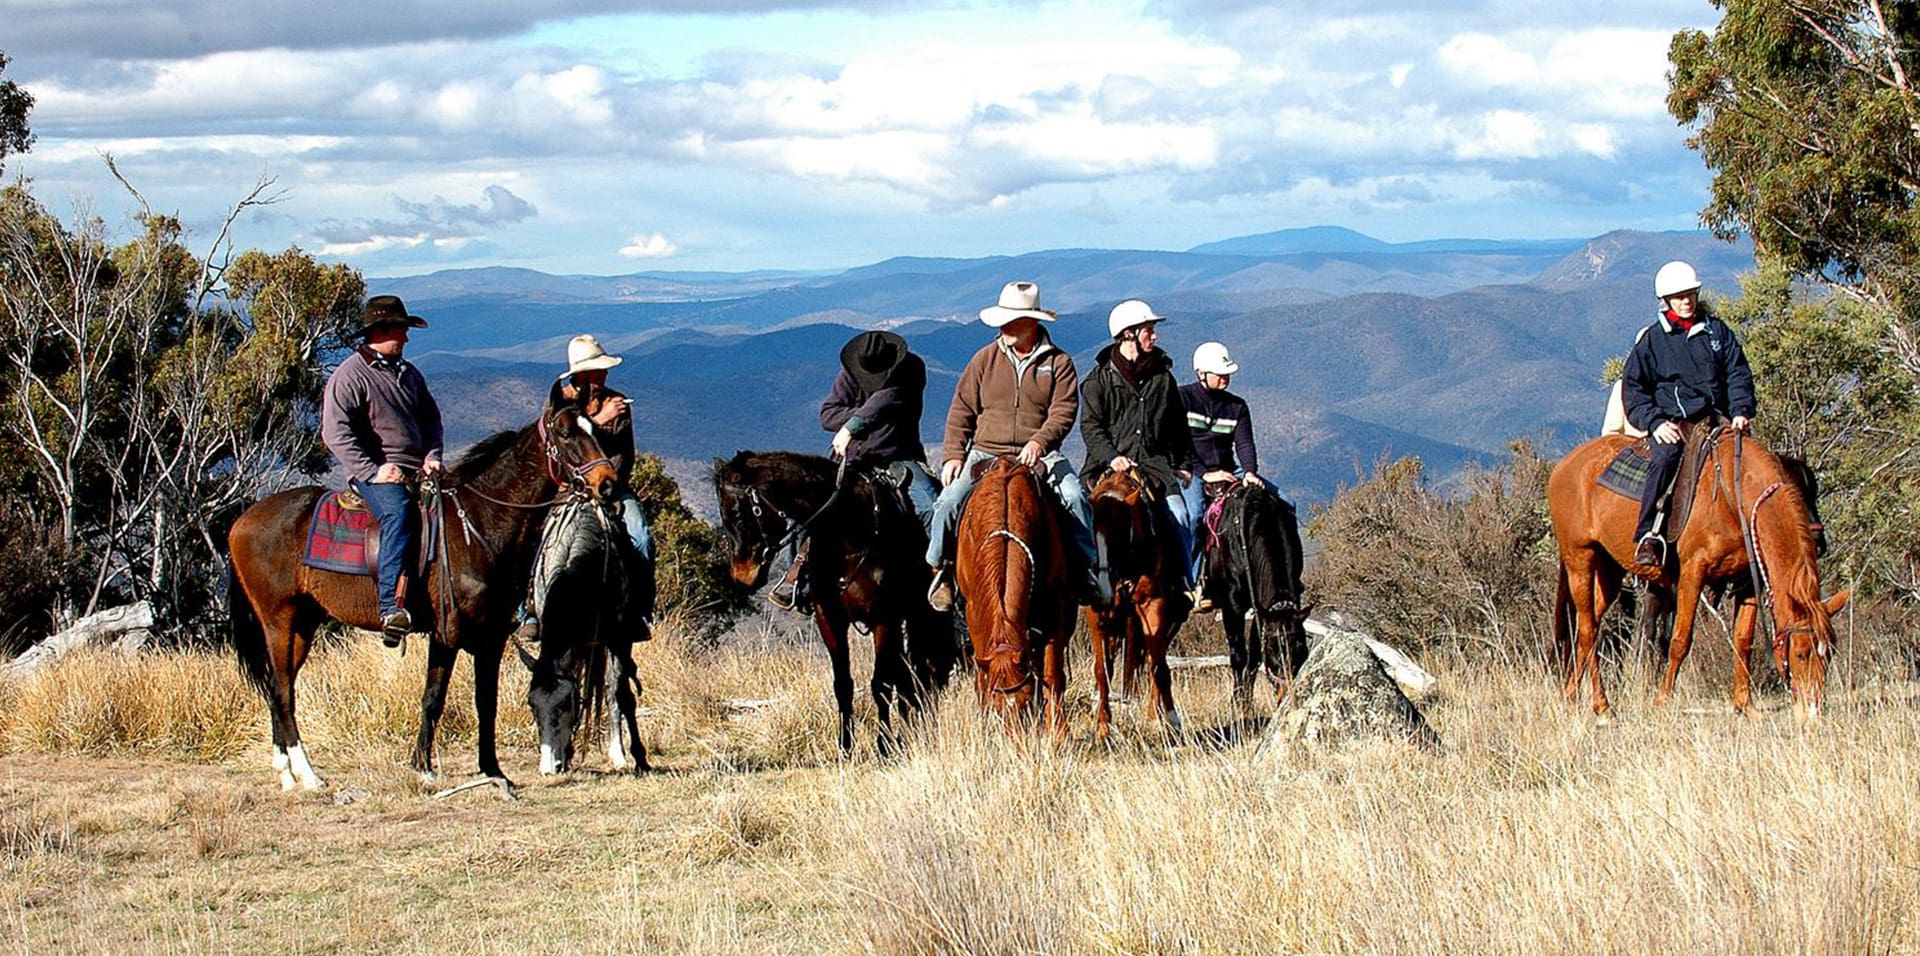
1350, 347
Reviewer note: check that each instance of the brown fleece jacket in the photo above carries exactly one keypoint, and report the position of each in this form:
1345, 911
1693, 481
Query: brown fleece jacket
998, 414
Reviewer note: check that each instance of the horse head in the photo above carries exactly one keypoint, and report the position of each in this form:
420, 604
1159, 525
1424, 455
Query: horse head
752, 527
553, 694
1000, 545
574, 458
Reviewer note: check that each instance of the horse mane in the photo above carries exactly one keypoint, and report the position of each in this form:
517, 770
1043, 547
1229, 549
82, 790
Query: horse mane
752, 468
475, 461
1262, 516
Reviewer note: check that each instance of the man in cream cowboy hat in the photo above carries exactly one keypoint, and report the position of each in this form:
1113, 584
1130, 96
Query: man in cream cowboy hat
585, 384
1016, 397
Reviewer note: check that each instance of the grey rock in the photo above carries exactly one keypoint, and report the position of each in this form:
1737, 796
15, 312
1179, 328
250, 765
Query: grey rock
1344, 697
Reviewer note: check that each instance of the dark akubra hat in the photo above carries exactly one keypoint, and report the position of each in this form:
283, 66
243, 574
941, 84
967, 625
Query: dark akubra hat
871, 357
384, 310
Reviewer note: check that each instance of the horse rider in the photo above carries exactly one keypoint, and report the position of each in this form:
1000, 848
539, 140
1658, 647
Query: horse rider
873, 410
1015, 397
1686, 368
379, 420
584, 384
1133, 417
1221, 428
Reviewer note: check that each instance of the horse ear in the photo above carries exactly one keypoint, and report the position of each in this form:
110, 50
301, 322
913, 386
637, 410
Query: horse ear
1835, 603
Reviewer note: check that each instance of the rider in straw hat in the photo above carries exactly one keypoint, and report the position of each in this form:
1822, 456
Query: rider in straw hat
379, 420
1015, 397
584, 384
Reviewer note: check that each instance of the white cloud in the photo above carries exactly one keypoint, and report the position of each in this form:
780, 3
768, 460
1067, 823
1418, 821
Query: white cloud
653, 246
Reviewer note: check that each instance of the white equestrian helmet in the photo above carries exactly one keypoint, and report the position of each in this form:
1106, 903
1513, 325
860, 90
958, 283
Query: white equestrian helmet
1213, 357
1674, 278
1128, 314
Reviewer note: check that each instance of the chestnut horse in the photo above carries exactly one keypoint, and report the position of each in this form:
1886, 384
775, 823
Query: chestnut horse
1148, 606
1011, 565
865, 564
1746, 500
491, 506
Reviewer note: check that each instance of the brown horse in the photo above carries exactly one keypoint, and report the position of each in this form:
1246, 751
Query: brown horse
1148, 606
491, 507
1011, 567
865, 563
1745, 498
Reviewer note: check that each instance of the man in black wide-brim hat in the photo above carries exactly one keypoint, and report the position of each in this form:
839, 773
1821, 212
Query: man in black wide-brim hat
873, 411
378, 418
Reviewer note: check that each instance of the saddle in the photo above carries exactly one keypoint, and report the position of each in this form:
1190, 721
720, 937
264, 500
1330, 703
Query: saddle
344, 536
1626, 474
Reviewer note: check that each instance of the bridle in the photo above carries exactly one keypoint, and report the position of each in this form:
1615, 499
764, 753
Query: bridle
1749, 520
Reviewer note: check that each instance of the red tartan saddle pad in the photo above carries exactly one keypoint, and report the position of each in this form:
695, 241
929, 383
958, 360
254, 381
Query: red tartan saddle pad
343, 536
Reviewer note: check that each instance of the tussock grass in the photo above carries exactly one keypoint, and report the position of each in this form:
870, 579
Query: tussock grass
1536, 831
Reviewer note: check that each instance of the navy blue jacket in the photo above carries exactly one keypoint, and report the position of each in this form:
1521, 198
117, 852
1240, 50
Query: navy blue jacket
1679, 376
1222, 428
886, 423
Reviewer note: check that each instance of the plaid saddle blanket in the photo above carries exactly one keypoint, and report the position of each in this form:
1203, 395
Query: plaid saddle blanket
341, 538
1627, 473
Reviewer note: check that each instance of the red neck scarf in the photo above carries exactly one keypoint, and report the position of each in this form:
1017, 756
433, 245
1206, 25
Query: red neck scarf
1686, 325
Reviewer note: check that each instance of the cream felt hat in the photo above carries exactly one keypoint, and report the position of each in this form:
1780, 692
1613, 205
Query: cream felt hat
1018, 300
585, 354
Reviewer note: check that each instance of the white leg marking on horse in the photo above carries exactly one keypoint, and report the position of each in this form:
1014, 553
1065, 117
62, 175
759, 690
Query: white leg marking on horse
279, 757
1175, 722
297, 762
549, 763
616, 748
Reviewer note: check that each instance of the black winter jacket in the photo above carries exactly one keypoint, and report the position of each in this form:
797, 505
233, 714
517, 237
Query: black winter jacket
885, 424
1222, 429
1674, 375
1147, 424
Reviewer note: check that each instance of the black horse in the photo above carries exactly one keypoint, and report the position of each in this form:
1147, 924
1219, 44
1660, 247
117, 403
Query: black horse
1253, 566
584, 593
865, 564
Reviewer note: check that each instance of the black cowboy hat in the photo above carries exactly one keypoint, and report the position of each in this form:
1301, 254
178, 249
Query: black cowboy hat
384, 310
871, 357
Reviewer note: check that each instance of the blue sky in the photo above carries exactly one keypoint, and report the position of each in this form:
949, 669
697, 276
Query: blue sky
607, 136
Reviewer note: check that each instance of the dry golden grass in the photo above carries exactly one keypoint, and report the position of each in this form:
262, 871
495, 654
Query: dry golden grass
1689, 831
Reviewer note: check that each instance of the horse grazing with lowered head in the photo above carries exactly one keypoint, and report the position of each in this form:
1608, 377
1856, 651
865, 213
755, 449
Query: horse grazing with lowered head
497, 495
1747, 502
1012, 568
864, 565
1148, 604
1253, 566
584, 589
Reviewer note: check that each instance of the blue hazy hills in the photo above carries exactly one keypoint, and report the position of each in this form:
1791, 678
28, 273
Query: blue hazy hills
1350, 348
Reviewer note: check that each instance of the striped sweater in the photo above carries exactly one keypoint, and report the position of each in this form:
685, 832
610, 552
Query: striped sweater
1222, 429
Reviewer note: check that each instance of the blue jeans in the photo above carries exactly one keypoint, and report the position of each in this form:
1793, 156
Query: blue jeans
1194, 493
635, 521
1183, 517
1059, 475
392, 506
923, 493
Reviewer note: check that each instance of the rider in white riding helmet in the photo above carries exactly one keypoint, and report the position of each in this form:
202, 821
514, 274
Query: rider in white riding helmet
1222, 431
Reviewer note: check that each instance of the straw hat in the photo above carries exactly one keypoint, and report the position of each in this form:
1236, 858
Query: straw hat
585, 354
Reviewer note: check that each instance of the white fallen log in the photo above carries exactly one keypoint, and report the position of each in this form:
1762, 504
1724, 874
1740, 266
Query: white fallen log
129, 623
1196, 663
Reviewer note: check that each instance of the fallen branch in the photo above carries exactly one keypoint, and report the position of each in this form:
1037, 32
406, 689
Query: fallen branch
130, 623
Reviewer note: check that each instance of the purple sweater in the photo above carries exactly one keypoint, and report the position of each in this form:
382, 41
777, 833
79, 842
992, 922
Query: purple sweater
376, 411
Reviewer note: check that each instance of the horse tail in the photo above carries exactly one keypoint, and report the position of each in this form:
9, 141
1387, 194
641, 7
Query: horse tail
1563, 619
249, 637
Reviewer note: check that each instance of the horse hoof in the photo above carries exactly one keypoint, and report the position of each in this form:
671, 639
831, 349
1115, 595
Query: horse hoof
313, 781
428, 778
1603, 720
287, 783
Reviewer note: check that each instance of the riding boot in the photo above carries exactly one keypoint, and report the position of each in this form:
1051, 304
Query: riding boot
395, 624
940, 591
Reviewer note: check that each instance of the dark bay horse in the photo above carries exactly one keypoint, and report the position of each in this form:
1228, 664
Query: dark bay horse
583, 593
865, 564
1148, 606
1746, 498
492, 502
1011, 566
1253, 566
